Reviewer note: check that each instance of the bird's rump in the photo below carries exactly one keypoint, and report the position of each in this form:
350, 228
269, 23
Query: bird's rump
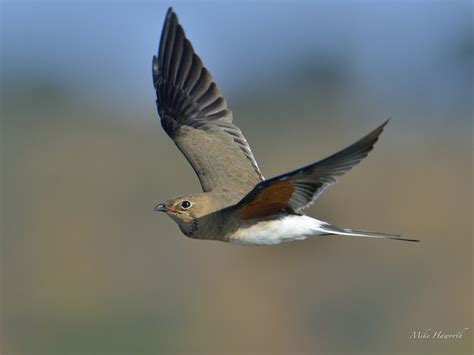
298, 189
195, 114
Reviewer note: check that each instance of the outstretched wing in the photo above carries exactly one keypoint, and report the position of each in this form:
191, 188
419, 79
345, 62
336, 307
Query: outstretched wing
298, 189
195, 114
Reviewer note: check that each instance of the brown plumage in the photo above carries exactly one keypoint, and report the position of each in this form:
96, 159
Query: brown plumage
268, 201
237, 204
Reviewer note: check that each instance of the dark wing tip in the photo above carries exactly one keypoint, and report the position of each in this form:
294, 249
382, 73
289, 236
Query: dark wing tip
363, 146
382, 126
170, 12
376, 132
185, 88
171, 18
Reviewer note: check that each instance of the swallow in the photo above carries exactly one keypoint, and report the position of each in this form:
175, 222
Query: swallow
237, 205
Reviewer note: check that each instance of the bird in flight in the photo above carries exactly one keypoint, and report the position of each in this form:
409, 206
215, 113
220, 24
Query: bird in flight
237, 204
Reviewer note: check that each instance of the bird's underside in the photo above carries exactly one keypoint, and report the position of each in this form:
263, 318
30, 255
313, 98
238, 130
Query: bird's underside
238, 204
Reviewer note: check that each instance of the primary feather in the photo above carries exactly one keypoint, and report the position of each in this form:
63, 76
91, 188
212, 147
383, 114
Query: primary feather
195, 115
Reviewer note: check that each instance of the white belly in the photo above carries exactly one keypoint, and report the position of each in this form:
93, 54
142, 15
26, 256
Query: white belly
270, 232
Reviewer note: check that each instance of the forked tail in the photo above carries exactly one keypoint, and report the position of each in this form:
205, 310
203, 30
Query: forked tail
333, 230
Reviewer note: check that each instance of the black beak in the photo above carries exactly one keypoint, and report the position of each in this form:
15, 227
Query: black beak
160, 208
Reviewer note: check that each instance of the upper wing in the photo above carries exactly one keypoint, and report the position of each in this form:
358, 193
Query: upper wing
298, 189
195, 115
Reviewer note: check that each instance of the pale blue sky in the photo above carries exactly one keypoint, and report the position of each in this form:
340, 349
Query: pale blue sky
409, 50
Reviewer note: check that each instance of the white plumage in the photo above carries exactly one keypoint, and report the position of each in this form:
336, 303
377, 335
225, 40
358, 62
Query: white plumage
295, 227
276, 231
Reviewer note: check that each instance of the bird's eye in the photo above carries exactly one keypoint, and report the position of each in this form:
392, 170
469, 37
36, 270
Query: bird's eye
185, 204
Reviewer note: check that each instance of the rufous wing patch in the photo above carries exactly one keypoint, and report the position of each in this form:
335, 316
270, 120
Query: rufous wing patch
269, 201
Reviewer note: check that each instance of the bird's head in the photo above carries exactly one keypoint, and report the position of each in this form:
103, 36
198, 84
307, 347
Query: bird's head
185, 209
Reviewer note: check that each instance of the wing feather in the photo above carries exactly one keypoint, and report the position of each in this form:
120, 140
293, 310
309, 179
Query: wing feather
307, 183
195, 114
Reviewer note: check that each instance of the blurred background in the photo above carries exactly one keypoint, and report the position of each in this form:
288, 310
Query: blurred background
89, 268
